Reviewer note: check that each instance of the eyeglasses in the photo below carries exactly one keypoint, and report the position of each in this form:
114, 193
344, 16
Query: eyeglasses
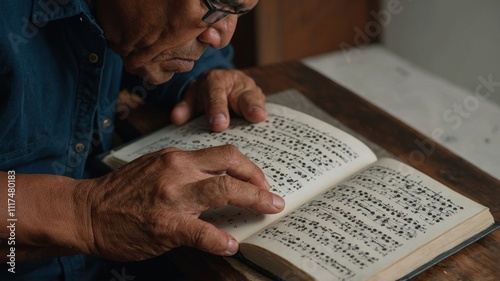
215, 14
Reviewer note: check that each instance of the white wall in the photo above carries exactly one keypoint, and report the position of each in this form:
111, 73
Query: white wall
458, 40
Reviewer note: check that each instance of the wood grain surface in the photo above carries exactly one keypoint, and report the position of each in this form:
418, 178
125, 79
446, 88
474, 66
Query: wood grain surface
479, 261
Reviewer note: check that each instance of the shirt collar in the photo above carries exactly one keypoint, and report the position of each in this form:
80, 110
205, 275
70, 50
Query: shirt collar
44, 11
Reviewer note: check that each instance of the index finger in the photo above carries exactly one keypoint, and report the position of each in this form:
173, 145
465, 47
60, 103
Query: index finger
237, 90
227, 159
251, 104
225, 190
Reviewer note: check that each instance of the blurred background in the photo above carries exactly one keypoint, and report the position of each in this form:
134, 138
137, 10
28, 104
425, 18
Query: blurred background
433, 64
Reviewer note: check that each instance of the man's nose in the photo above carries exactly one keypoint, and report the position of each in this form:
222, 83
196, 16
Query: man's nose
219, 34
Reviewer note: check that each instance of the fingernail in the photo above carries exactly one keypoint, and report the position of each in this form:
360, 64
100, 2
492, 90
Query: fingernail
278, 202
218, 119
232, 247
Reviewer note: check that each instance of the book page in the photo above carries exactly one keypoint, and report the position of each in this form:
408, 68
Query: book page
301, 156
367, 223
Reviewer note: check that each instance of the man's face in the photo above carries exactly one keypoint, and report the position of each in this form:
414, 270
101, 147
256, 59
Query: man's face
157, 38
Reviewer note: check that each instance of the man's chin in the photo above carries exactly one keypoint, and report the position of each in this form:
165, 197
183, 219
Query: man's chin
158, 78
154, 78
158, 73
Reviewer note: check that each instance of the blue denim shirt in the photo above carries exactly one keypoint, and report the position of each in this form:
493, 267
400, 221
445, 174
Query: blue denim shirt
59, 83
58, 88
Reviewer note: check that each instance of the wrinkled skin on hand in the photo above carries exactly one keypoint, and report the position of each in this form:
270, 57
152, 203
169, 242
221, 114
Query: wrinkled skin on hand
217, 92
152, 204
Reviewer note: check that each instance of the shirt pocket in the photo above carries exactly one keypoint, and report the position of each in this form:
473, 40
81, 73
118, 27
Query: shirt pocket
20, 143
24, 133
14, 153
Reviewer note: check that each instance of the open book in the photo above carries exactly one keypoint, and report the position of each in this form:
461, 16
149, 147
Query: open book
348, 215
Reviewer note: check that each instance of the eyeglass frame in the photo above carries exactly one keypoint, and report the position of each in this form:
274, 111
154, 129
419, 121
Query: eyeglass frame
223, 13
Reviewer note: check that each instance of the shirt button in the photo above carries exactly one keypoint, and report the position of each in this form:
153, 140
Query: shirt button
106, 123
79, 147
93, 58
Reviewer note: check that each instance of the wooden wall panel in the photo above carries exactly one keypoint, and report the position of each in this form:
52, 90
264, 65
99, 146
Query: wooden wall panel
284, 30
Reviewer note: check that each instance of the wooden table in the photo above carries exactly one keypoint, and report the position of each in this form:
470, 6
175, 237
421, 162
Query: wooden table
479, 261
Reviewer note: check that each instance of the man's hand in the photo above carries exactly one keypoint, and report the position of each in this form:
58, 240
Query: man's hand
217, 92
152, 204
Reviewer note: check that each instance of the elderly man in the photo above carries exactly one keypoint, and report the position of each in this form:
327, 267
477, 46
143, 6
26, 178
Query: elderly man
61, 69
